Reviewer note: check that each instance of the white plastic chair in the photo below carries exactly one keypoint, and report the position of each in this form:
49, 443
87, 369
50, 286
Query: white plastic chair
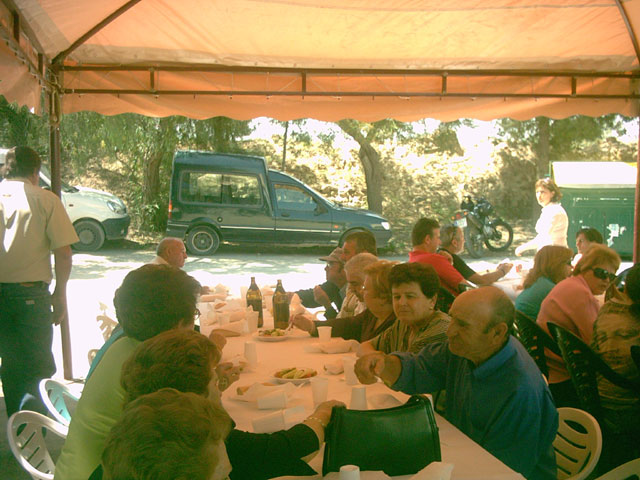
577, 453
105, 322
29, 446
627, 471
58, 399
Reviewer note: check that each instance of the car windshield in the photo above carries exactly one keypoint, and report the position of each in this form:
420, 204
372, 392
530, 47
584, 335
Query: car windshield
65, 187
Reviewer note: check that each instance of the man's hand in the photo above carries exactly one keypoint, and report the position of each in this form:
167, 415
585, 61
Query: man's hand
386, 367
59, 304
370, 367
505, 268
303, 322
321, 296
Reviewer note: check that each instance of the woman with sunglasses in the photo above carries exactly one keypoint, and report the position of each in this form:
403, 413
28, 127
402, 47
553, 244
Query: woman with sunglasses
572, 304
552, 225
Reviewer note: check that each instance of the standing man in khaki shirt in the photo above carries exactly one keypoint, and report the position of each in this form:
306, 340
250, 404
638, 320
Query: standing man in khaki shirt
33, 223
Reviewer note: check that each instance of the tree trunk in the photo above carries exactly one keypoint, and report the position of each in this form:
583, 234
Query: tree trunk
151, 179
542, 147
284, 145
370, 160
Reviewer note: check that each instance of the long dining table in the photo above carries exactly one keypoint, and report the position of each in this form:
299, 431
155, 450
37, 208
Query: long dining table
470, 460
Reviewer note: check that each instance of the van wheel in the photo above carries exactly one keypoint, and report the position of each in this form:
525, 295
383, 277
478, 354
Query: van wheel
202, 241
90, 234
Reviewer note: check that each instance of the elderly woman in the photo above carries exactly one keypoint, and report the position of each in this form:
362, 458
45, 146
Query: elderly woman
616, 329
414, 289
185, 360
572, 305
552, 225
373, 288
550, 265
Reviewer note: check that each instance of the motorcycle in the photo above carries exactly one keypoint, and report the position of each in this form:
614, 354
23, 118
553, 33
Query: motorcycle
482, 226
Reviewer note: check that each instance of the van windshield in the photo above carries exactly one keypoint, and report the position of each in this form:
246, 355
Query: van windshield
65, 187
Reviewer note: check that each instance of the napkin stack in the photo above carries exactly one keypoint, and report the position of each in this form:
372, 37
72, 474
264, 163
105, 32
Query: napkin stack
336, 345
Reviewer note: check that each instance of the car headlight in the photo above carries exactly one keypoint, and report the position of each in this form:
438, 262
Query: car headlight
386, 225
116, 207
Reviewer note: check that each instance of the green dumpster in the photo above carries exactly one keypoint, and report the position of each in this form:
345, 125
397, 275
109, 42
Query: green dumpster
599, 195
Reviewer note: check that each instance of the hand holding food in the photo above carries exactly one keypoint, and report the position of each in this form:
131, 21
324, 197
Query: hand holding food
303, 322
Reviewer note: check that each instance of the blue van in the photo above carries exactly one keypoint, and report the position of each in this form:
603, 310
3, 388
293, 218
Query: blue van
236, 199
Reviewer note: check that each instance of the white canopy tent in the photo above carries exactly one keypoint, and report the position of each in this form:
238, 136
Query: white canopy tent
329, 59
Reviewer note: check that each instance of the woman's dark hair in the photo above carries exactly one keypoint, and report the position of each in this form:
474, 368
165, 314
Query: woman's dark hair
632, 289
591, 234
155, 298
550, 185
423, 275
20, 162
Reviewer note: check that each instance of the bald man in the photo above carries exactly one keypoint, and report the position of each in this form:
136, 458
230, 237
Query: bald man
495, 392
170, 251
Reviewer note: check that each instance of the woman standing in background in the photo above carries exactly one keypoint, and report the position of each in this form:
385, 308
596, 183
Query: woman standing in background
552, 225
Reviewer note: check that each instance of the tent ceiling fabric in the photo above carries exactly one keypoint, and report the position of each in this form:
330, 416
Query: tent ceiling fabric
332, 59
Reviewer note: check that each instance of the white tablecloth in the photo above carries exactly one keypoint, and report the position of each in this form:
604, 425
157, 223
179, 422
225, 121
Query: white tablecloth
471, 461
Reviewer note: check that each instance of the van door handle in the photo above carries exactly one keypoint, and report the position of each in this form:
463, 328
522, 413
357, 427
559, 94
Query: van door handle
285, 215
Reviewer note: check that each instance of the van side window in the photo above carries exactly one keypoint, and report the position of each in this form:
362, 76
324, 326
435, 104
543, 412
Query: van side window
291, 197
225, 189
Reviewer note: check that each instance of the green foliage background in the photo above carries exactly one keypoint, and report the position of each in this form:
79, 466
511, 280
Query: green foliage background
425, 172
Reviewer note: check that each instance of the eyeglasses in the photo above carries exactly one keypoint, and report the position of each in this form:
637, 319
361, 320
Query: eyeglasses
602, 274
196, 314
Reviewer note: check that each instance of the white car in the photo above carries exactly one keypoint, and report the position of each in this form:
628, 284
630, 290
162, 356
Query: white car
96, 215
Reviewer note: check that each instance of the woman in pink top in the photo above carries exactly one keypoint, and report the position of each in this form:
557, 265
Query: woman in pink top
572, 305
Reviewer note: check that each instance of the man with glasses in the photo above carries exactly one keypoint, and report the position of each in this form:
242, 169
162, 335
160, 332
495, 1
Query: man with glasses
495, 393
331, 293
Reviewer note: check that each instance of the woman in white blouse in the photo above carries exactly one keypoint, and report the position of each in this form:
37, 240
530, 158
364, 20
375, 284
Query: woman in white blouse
551, 227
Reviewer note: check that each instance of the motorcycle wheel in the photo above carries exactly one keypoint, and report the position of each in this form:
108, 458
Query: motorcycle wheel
501, 237
473, 240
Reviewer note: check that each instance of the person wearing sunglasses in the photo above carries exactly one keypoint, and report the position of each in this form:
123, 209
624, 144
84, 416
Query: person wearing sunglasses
572, 304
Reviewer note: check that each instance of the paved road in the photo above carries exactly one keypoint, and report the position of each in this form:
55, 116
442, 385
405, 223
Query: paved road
95, 277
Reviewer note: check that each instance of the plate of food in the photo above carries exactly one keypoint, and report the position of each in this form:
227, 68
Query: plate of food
271, 335
294, 375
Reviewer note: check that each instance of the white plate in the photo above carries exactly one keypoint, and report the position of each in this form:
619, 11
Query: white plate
264, 338
295, 381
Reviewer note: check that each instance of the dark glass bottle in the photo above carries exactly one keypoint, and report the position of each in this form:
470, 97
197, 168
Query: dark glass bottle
280, 307
254, 300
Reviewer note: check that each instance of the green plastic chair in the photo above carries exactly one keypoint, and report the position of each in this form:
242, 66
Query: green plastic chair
534, 339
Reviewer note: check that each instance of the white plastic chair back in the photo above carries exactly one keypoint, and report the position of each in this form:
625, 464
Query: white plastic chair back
58, 399
627, 471
29, 446
106, 323
577, 452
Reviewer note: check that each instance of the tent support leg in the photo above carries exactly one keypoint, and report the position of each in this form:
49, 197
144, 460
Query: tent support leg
636, 214
56, 185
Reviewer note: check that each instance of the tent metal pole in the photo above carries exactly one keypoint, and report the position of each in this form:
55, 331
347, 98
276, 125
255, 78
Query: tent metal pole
56, 185
636, 214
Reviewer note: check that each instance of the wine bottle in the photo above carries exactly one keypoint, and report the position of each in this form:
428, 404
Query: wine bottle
280, 307
254, 300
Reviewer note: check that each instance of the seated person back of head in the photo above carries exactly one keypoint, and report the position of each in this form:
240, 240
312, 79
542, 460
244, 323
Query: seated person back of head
168, 435
151, 300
